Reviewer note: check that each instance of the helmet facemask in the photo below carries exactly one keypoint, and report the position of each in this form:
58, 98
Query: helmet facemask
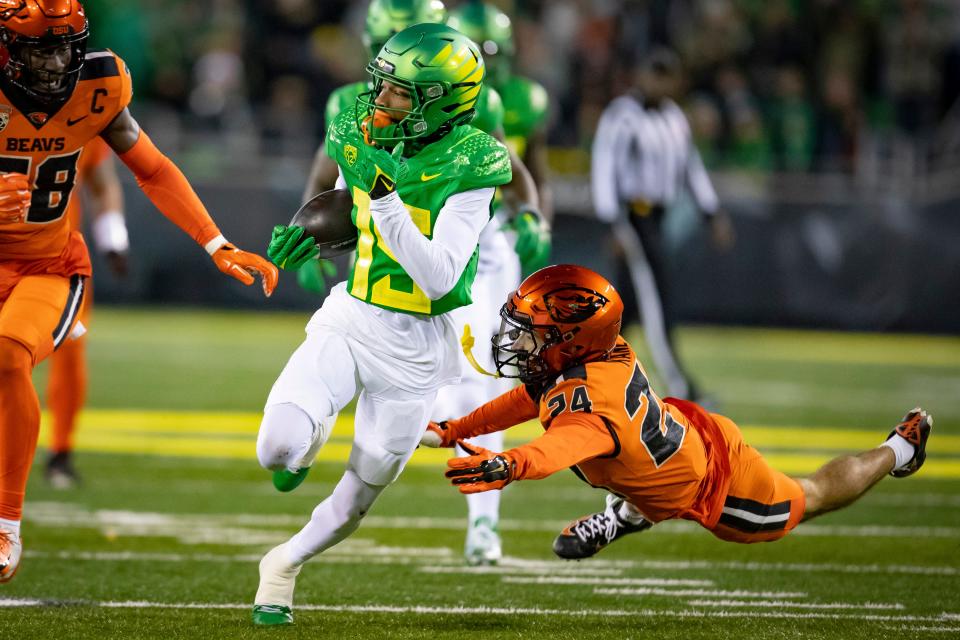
47, 68
519, 347
407, 124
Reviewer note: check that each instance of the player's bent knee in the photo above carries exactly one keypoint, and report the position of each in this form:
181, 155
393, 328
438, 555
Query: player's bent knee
15, 358
286, 432
813, 498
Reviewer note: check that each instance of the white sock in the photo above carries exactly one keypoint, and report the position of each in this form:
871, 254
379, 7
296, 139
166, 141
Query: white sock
10, 525
902, 450
629, 513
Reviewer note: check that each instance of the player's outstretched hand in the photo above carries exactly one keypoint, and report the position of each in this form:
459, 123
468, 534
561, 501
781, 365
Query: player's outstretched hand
14, 197
482, 470
436, 435
242, 265
288, 249
382, 171
533, 239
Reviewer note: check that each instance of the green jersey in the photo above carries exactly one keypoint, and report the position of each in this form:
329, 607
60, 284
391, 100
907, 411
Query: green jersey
489, 105
464, 159
525, 105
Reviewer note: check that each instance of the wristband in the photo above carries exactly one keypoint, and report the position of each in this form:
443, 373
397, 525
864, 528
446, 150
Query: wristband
214, 245
110, 233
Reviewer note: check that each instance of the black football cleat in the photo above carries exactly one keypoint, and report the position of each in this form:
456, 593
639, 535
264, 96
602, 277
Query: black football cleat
60, 473
588, 535
915, 429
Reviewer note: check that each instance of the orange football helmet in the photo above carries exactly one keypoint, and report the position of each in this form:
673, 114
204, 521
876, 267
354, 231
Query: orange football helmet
559, 317
42, 46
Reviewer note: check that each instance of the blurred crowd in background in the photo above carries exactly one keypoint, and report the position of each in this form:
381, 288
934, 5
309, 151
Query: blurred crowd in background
787, 85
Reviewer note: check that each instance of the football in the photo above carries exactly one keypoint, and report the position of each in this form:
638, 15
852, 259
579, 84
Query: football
326, 218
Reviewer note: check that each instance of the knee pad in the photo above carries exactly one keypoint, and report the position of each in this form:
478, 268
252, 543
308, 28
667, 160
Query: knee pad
286, 433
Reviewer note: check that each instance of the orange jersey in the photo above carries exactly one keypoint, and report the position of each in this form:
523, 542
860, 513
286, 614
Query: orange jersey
604, 421
657, 459
94, 152
48, 149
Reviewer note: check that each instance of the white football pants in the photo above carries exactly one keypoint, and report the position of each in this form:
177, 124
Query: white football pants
345, 351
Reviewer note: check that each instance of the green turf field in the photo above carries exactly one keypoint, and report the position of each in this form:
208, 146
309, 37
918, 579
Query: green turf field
163, 538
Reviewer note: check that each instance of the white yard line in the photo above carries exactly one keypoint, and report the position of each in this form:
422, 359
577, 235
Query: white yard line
703, 593
505, 611
362, 550
587, 580
780, 604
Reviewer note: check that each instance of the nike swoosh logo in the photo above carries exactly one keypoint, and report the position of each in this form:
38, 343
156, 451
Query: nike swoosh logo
71, 122
424, 177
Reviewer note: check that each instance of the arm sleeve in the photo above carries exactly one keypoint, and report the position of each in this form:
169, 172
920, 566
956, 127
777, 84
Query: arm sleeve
699, 183
434, 264
169, 191
503, 412
603, 166
571, 439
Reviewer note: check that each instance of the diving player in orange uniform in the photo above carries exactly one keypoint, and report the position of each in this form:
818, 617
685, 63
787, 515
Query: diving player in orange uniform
55, 97
67, 383
659, 459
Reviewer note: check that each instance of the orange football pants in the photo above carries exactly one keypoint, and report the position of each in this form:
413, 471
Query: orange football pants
38, 308
762, 503
67, 383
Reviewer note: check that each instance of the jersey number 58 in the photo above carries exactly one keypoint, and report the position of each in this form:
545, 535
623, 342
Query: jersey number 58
54, 180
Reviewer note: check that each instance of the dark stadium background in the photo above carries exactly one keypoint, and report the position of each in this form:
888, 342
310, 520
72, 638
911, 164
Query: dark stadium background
831, 130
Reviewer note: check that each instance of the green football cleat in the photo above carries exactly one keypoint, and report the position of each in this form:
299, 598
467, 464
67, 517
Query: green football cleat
271, 615
286, 481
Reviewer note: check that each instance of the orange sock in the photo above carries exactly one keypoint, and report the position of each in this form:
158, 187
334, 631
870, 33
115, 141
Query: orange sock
66, 391
19, 425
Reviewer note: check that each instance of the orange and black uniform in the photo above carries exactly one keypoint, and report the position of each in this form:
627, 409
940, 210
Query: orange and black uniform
47, 148
43, 260
670, 459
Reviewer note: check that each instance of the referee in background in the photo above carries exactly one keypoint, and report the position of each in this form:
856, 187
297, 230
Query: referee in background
643, 157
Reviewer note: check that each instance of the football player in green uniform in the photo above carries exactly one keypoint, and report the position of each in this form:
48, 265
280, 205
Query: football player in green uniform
384, 19
498, 268
422, 181
525, 105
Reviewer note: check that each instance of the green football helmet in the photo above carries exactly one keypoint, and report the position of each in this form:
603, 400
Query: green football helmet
387, 17
490, 28
443, 71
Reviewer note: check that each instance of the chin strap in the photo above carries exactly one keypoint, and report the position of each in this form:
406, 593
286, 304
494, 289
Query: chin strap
466, 343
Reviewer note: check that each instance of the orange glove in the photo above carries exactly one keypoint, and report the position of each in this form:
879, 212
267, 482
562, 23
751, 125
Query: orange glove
242, 265
14, 197
436, 435
482, 470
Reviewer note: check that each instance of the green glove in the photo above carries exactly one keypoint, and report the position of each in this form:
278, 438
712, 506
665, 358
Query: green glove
288, 249
313, 275
533, 240
382, 171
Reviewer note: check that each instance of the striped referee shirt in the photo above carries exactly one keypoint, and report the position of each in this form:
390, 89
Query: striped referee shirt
645, 154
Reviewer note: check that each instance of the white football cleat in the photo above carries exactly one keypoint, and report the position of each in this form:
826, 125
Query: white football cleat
483, 543
11, 548
273, 604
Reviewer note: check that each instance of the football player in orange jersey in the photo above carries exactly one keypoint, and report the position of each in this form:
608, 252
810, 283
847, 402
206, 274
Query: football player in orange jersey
659, 459
67, 383
55, 97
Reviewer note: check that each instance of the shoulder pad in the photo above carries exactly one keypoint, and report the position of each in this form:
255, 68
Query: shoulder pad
484, 161
103, 69
343, 133
343, 99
